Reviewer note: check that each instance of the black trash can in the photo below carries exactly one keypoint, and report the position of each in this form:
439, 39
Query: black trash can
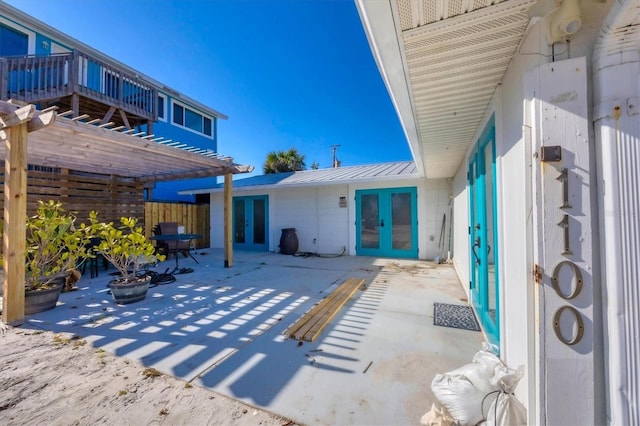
289, 241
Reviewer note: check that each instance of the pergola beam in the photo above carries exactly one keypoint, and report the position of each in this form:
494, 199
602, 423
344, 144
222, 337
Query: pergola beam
74, 144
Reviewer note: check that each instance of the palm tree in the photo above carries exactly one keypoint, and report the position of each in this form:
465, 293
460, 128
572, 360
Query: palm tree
283, 161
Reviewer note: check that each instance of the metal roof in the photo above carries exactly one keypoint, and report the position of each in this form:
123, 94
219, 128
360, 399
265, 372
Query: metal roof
442, 61
77, 145
322, 177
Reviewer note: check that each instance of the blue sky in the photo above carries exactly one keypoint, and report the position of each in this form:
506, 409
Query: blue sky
295, 73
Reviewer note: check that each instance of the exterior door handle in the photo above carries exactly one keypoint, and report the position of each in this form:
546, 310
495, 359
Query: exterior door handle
382, 223
473, 249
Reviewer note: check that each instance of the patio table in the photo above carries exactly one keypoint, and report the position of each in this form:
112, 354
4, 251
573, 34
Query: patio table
168, 238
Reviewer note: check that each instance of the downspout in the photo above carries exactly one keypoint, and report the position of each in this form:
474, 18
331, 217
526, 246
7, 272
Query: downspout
616, 67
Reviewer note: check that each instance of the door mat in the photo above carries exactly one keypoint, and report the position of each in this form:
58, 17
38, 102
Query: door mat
455, 316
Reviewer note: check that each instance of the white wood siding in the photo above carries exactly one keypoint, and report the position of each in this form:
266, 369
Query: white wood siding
514, 159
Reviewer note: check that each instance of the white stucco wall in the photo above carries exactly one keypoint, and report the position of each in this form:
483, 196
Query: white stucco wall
320, 223
322, 226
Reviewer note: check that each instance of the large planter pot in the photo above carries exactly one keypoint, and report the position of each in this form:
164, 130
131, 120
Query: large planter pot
289, 241
124, 292
40, 300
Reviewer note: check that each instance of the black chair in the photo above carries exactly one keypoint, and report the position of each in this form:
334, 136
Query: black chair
95, 259
173, 246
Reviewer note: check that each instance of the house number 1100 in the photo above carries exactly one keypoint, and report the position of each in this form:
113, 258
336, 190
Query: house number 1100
575, 274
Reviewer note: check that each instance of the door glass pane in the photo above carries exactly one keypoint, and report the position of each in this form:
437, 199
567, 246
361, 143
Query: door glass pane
369, 234
490, 245
401, 221
258, 222
239, 221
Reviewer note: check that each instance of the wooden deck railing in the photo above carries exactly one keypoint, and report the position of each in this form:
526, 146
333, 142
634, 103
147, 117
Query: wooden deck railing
39, 78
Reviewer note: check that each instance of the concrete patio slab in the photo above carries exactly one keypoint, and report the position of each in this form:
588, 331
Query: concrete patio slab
224, 329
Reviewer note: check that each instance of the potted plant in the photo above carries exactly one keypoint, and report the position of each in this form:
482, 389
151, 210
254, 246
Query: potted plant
54, 247
127, 249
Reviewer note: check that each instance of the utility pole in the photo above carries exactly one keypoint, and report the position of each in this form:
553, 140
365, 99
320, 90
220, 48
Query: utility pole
335, 163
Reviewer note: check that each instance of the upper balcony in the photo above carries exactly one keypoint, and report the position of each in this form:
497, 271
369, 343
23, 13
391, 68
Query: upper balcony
81, 83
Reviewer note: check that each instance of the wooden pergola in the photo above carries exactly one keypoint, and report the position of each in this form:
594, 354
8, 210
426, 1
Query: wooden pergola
44, 137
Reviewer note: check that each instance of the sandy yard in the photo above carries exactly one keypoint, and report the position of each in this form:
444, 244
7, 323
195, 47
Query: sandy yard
53, 379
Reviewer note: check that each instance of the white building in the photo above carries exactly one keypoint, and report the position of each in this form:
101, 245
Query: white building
523, 118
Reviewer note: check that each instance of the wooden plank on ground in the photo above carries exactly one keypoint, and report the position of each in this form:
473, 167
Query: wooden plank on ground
326, 305
313, 322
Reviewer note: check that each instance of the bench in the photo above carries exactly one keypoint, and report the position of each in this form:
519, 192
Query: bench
311, 324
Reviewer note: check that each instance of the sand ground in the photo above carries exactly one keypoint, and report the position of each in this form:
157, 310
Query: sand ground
52, 379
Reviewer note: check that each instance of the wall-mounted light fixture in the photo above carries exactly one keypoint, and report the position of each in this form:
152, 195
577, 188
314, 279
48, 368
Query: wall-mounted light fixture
563, 21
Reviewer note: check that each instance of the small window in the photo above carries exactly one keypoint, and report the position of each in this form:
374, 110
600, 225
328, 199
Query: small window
178, 114
207, 126
192, 120
161, 108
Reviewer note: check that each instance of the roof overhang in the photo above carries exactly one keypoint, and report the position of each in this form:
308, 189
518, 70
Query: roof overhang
78, 145
442, 62
286, 186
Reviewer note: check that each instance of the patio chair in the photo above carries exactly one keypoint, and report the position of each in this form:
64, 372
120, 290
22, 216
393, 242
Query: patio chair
171, 246
95, 260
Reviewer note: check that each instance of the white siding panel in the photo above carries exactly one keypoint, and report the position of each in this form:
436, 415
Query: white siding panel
460, 226
323, 227
216, 220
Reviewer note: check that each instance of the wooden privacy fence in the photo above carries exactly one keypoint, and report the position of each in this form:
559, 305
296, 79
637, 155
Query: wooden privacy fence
112, 197
194, 218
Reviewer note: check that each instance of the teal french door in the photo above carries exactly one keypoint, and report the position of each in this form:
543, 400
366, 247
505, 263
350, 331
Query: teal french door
386, 222
483, 233
250, 222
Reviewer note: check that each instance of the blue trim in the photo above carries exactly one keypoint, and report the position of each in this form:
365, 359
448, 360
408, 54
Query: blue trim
478, 236
385, 233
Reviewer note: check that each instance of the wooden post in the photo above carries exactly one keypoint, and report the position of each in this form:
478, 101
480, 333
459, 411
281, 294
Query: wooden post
75, 104
15, 213
14, 128
228, 220
4, 72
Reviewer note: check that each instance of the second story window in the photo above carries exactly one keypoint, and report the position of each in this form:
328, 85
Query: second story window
178, 114
192, 120
162, 107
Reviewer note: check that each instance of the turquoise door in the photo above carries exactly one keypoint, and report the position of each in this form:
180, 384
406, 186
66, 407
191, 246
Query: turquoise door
483, 234
386, 222
250, 222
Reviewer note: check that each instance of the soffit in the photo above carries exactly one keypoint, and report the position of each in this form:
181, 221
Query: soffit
77, 145
455, 54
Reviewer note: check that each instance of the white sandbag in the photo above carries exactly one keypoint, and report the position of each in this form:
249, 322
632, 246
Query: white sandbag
437, 416
506, 410
467, 392
484, 363
459, 397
